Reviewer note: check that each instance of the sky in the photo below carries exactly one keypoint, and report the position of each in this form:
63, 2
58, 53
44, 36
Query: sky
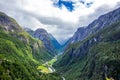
61, 18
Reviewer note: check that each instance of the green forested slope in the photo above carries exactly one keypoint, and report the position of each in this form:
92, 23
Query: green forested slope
20, 54
94, 58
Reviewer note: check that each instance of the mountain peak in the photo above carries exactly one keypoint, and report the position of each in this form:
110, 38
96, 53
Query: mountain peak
41, 30
49, 41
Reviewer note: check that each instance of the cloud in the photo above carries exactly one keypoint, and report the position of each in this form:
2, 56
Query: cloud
103, 9
61, 22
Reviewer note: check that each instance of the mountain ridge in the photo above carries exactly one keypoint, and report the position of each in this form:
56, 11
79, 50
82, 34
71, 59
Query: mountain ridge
48, 39
96, 25
88, 58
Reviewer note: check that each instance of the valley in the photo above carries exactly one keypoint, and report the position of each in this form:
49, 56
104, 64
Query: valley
48, 68
92, 53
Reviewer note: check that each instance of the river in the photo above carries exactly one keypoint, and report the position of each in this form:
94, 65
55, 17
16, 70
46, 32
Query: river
63, 78
51, 68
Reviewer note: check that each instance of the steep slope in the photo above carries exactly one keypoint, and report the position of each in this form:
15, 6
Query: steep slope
43, 35
96, 25
96, 57
10, 27
48, 39
20, 54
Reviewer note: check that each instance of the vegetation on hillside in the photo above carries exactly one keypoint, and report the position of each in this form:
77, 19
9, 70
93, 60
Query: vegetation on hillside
96, 57
21, 54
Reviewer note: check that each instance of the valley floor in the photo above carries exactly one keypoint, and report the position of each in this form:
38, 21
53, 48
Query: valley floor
48, 68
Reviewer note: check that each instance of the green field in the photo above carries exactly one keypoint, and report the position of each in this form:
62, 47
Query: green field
44, 68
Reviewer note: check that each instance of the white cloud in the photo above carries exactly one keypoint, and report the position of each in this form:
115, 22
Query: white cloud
60, 22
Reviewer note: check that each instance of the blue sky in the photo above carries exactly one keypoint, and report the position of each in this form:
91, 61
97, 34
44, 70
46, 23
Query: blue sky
68, 4
59, 17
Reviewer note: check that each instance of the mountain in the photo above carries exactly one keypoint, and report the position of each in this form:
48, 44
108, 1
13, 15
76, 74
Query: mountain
48, 39
20, 53
94, 51
43, 35
96, 25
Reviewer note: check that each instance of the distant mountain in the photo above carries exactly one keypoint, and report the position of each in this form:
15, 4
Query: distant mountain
48, 39
92, 53
20, 53
43, 35
96, 25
